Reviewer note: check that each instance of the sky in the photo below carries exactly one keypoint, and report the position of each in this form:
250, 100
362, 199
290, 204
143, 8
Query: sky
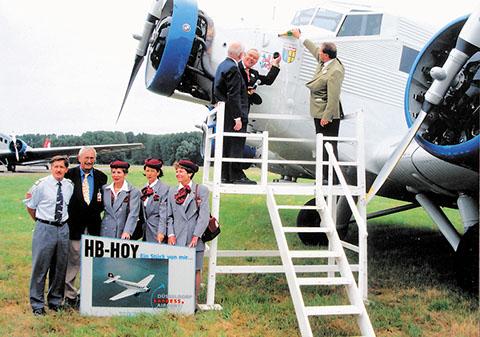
64, 65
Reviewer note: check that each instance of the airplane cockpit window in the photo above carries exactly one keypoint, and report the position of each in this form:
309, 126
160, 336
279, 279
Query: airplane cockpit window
327, 19
303, 17
361, 25
1, 139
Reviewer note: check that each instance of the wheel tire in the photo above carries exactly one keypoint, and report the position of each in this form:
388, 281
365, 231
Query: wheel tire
466, 258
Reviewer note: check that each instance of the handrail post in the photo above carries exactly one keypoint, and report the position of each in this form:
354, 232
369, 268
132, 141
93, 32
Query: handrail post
264, 172
217, 172
318, 167
362, 207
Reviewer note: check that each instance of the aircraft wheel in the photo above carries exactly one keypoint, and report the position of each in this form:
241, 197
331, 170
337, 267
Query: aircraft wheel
311, 218
467, 260
11, 167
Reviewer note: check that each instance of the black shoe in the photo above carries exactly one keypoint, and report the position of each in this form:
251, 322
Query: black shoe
55, 308
72, 303
245, 181
226, 181
39, 312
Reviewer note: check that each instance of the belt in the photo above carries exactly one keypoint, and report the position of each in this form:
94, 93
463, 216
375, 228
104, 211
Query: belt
53, 223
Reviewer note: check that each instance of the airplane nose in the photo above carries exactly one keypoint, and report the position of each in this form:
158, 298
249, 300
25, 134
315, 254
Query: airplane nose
177, 52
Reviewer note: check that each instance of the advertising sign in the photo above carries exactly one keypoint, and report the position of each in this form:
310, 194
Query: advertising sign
122, 277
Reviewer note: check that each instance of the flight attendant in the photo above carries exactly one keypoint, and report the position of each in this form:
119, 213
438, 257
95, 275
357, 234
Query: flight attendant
188, 214
154, 202
122, 204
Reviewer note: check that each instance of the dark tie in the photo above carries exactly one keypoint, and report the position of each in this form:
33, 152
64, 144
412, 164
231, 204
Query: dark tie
59, 204
182, 194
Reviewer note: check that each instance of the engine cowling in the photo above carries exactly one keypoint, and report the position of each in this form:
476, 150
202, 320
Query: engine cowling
178, 50
20, 145
451, 129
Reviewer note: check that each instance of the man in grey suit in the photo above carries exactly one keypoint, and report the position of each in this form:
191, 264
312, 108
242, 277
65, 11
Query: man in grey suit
188, 214
325, 87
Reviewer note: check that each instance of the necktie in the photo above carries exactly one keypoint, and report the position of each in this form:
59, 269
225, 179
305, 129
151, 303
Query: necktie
182, 195
86, 189
247, 71
59, 204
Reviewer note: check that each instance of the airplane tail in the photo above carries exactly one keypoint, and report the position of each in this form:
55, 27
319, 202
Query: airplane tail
47, 143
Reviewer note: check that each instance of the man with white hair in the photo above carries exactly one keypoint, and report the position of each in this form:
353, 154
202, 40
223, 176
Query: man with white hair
230, 88
84, 214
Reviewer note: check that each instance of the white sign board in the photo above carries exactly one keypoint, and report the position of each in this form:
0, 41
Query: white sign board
122, 277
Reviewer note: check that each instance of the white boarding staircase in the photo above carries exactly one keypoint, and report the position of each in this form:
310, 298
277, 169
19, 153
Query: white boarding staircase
335, 254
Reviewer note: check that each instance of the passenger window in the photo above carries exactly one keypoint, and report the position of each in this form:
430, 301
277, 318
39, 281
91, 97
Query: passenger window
303, 17
327, 19
361, 25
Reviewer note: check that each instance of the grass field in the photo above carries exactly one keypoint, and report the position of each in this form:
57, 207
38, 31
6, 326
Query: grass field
412, 288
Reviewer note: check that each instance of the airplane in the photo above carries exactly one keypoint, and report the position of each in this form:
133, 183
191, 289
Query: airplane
396, 71
15, 152
133, 288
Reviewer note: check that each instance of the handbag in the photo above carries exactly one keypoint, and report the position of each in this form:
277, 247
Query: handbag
213, 228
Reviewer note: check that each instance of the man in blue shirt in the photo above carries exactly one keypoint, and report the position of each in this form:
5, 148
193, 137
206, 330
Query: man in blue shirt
48, 206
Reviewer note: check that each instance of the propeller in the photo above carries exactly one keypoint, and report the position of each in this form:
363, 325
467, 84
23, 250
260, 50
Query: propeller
152, 17
395, 157
468, 43
136, 67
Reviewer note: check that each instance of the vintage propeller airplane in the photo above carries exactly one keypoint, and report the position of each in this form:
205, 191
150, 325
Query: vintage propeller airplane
132, 288
15, 152
420, 94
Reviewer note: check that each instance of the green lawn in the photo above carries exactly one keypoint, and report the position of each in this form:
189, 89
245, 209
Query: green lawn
412, 288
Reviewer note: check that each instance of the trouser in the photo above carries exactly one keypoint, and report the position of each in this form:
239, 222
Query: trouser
232, 148
329, 130
73, 267
238, 168
49, 255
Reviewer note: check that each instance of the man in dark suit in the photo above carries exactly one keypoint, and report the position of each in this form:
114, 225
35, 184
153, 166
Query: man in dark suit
230, 88
84, 214
252, 79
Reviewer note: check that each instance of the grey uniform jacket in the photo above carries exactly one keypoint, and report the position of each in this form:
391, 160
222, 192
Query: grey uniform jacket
184, 221
122, 216
155, 212
325, 86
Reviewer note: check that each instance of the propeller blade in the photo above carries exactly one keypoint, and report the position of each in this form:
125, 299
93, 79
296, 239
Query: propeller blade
136, 66
395, 157
14, 140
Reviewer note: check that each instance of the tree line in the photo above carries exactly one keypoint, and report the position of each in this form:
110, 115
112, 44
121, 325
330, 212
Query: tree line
168, 147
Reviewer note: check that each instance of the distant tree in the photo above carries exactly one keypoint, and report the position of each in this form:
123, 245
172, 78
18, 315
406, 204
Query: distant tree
169, 147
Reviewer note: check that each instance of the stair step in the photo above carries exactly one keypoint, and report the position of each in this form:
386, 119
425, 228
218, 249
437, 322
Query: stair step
332, 310
321, 281
313, 253
306, 230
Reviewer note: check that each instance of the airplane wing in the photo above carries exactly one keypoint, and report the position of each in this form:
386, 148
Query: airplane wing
146, 280
123, 294
36, 154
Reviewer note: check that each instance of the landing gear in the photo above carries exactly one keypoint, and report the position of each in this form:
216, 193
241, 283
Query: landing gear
311, 218
466, 258
11, 167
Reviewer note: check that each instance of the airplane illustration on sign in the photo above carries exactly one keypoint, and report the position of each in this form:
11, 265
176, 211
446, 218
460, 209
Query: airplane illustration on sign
133, 288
